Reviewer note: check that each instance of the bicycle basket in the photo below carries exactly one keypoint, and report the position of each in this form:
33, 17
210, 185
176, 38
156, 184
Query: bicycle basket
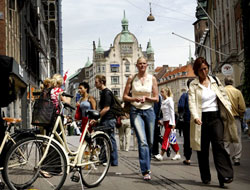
43, 112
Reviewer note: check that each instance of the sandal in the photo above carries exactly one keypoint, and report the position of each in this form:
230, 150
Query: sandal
45, 174
147, 177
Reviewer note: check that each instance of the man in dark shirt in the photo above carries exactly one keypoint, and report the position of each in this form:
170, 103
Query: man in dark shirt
183, 109
107, 116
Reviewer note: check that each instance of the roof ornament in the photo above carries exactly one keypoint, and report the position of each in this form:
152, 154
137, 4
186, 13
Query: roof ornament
150, 17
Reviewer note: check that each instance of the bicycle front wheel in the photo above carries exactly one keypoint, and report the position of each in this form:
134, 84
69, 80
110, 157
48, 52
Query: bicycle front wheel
21, 165
96, 160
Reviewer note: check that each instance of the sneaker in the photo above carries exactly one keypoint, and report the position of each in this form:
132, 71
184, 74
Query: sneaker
159, 157
176, 157
147, 177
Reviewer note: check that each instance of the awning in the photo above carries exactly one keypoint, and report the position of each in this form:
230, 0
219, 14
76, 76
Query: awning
114, 65
16, 71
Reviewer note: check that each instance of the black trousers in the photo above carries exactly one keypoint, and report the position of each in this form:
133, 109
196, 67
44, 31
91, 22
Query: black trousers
157, 139
186, 145
212, 130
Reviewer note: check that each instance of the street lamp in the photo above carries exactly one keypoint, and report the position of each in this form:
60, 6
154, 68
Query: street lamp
150, 17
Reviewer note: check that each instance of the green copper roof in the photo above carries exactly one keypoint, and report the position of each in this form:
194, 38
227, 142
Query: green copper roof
99, 49
88, 63
126, 37
149, 48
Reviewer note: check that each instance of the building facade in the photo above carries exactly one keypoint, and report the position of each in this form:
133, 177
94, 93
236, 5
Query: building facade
26, 31
223, 37
118, 62
176, 79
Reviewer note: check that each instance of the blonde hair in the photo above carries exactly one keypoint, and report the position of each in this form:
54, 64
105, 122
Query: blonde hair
47, 83
58, 80
140, 58
168, 91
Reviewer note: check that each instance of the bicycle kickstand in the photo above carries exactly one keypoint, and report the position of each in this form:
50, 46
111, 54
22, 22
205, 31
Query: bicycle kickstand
76, 178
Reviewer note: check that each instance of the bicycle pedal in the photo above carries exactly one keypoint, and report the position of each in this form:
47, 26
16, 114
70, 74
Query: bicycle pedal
2, 184
75, 178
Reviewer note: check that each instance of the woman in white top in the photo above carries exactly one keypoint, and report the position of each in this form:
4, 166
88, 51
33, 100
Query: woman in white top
143, 87
208, 104
167, 108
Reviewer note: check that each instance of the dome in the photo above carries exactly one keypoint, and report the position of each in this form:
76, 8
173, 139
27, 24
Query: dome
88, 63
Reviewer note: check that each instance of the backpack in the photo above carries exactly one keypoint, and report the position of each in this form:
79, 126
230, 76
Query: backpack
43, 110
117, 110
8, 92
116, 107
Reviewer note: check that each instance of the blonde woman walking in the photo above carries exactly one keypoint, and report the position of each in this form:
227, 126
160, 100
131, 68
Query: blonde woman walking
167, 109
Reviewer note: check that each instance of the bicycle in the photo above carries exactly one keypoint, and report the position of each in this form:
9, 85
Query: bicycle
47, 160
11, 139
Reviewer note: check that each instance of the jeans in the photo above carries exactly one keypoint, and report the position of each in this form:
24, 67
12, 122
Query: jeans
143, 122
114, 155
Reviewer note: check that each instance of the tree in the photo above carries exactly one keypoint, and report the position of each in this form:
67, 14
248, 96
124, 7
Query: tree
245, 5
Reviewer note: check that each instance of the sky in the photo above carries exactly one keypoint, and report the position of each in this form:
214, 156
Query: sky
85, 21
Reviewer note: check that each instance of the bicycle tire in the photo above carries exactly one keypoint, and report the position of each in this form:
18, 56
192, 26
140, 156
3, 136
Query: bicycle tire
27, 174
97, 153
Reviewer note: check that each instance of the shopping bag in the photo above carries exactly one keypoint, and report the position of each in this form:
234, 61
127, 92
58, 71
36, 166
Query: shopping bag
172, 137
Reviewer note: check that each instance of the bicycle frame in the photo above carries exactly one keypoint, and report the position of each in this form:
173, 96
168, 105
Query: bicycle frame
62, 142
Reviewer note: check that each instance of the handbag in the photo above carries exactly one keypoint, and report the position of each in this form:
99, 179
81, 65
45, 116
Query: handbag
43, 112
127, 105
180, 121
118, 122
78, 114
172, 137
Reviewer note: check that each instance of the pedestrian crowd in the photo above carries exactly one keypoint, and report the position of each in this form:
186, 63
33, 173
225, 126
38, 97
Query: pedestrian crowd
208, 113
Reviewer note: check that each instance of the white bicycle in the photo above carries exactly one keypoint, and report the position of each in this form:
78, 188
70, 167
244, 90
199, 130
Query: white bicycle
45, 161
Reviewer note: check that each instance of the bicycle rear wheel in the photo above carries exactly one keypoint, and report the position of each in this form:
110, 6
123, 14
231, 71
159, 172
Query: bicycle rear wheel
20, 166
96, 160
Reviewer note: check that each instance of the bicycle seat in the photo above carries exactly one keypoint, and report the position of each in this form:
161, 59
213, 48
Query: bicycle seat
93, 114
12, 119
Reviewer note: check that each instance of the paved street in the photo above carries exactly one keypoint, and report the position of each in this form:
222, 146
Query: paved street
167, 174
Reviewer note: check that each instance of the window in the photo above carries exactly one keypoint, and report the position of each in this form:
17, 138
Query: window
114, 79
114, 68
98, 69
183, 82
87, 73
126, 49
127, 68
103, 68
116, 91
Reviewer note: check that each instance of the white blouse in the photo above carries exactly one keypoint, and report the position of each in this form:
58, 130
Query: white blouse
167, 108
139, 90
209, 99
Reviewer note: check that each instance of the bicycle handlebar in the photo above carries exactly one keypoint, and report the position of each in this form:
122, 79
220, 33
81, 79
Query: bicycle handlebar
67, 95
68, 105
